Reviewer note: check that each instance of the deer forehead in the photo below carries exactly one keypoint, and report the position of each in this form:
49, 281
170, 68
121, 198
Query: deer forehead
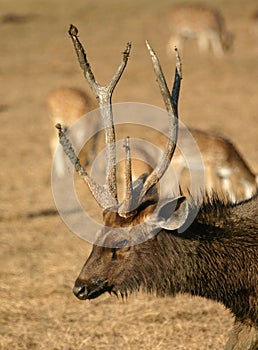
112, 219
124, 237
133, 229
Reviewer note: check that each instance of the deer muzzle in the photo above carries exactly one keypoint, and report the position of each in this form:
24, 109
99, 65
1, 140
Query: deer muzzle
89, 289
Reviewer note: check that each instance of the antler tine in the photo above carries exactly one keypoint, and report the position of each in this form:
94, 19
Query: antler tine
126, 207
177, 81
103, 95
171, 107
95, 188
128, 170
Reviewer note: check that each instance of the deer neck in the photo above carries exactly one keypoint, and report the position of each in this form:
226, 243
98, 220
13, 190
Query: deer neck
211, 262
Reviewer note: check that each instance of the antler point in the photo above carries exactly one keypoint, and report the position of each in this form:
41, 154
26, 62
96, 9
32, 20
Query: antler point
73, 30
58, 126
148, 45
178, 63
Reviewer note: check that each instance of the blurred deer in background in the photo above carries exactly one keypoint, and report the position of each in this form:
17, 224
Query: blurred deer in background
66, 106
226, 172
204, 23
148, 244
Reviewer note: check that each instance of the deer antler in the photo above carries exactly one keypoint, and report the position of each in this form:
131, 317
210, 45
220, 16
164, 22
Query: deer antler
96, 189
128, 170
103, 95
106, 195
137, 190
171, 103
129, 204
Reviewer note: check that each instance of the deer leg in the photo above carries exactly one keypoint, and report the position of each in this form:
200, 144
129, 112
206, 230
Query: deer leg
225, 176
209, 179
58, 153
249, 189
203, 42
216, 44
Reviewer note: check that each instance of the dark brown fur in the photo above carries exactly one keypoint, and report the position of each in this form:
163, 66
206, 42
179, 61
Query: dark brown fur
216, 258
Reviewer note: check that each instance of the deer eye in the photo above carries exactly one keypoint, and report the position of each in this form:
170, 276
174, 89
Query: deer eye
120, 244
113, 253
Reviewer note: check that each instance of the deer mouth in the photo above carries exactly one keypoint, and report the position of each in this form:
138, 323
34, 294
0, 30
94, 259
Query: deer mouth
84, 292
95, 293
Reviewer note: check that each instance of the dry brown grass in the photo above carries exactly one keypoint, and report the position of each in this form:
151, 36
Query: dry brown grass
38, 310
40, 258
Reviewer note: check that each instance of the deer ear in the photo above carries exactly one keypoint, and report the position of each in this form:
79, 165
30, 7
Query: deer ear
171, 213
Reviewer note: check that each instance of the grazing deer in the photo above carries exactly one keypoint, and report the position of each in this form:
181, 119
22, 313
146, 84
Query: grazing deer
147, 244
66, 106
226, 172
201, 22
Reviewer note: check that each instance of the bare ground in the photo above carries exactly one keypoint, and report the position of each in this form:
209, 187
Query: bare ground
40, 257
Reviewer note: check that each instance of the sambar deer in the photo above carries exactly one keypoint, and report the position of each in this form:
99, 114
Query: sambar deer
202, 22
147, 244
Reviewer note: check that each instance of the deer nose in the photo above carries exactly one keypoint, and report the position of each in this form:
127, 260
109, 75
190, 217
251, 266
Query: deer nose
80, 290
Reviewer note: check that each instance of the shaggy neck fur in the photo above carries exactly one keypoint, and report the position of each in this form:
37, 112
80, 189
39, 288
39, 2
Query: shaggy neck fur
216, 258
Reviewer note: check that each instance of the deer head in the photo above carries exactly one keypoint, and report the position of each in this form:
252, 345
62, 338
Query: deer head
140, 215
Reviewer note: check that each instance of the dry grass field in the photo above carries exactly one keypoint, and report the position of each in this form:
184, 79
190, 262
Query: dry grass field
40, 257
